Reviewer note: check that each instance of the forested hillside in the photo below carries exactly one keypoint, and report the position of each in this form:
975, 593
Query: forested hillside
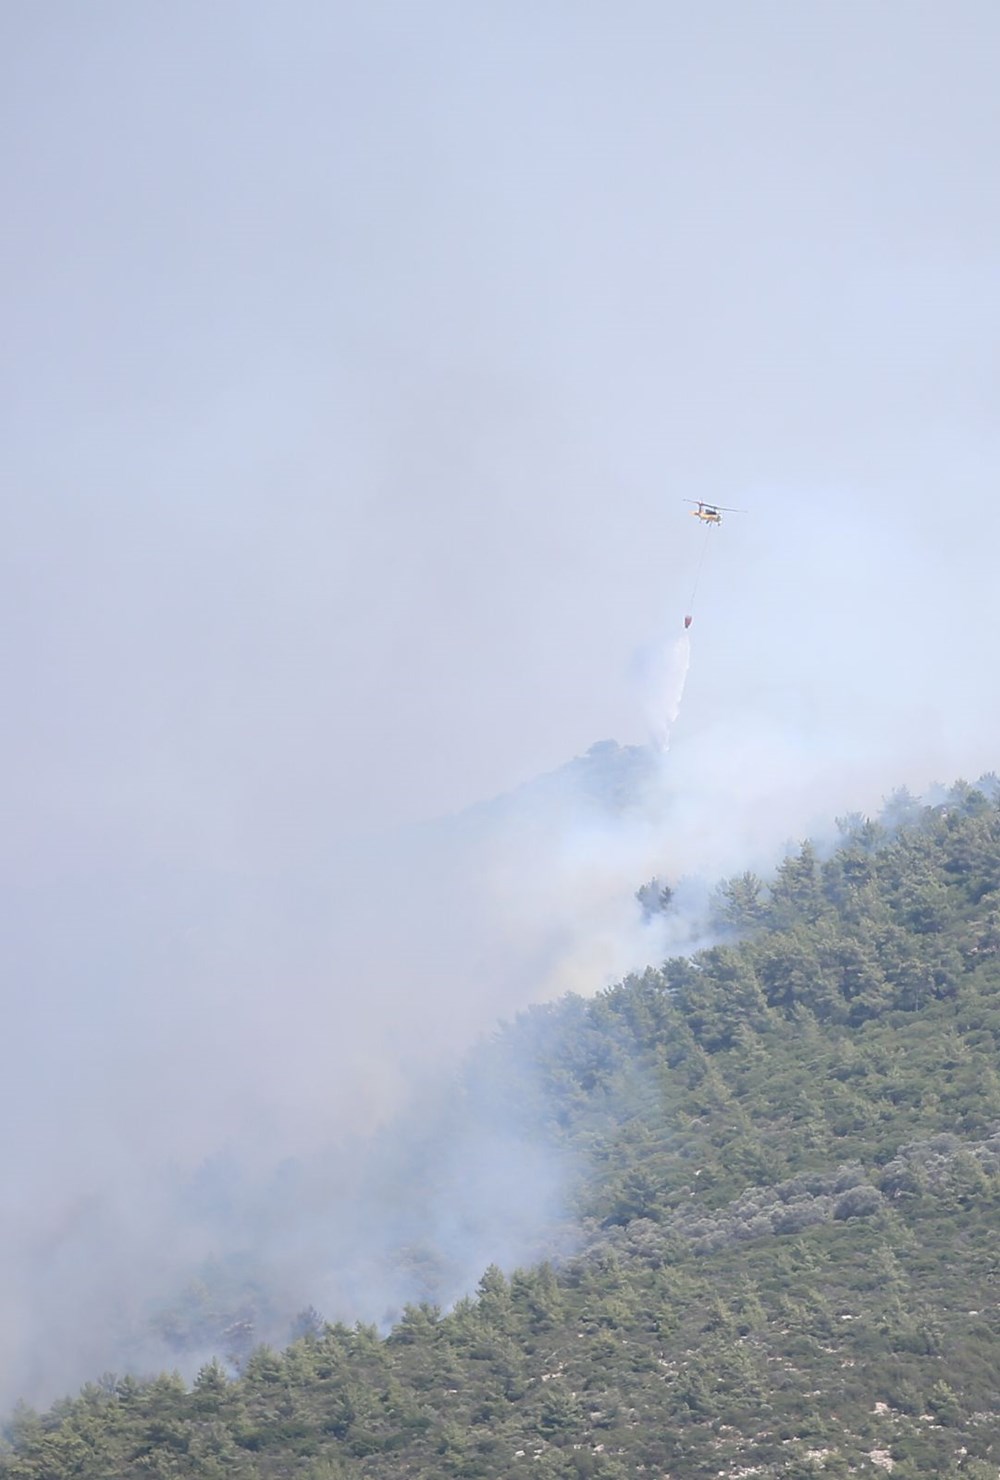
787, 1187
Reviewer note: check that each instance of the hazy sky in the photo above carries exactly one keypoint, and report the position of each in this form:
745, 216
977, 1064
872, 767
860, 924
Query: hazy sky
356, 361
357, 357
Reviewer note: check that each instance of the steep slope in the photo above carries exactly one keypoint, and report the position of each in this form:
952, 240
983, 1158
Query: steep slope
787, 1177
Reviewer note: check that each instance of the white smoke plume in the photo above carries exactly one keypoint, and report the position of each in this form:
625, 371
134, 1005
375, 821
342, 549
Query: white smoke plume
666, 677
312, 491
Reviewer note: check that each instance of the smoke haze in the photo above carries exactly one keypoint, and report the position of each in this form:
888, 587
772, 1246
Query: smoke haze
356, 363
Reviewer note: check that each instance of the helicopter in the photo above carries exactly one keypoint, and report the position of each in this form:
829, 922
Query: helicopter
710, 513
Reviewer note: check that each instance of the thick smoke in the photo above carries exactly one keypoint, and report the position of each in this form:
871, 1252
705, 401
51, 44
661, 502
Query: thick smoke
283, 1124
